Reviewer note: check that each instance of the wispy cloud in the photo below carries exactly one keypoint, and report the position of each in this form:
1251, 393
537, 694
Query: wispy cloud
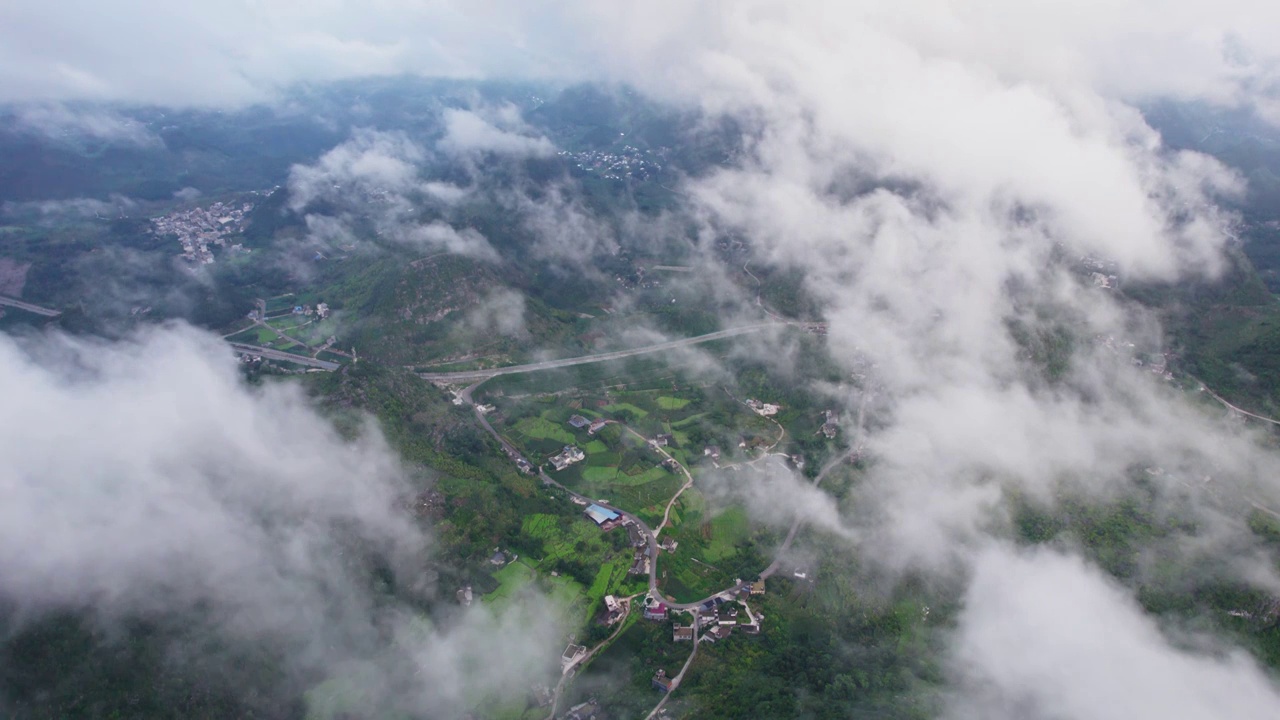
75, 124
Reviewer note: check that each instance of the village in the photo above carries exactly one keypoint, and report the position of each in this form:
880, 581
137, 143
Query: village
628, 163
711, 619
199, 227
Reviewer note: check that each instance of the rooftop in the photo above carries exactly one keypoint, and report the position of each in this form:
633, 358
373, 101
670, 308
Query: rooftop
601, 515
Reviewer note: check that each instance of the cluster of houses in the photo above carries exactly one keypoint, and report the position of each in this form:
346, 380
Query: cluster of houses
593, 426
717, 618
661, 681
654, 609
607, 519
572, 655
196, 228
661, 440
628, 163
321, 309
717, 623
568, 456
762, 408
1102, 273
614, 609
831, 424
713, 620
583, 711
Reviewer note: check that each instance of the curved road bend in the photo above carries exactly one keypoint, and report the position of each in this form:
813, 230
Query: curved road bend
1229, 406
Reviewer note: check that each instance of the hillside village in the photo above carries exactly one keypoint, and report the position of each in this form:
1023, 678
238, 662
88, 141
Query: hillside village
713, 619
197, 228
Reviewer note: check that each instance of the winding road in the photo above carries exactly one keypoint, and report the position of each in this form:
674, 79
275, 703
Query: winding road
478, 377
1234, 408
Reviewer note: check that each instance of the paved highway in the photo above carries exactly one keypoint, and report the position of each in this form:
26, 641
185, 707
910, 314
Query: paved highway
473, 375
281, 355
13, 302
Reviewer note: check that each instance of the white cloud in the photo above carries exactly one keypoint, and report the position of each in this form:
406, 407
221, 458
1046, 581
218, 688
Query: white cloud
467, 132
1043, 635
377, 176
143, 476
76, 207
502, 311
371, 162
66, 124
244, 51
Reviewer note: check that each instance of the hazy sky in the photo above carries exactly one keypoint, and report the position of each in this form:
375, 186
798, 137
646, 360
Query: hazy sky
231, 51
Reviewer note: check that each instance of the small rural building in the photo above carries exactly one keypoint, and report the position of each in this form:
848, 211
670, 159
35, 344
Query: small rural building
568, 456
600, 515
662, 682
656, 611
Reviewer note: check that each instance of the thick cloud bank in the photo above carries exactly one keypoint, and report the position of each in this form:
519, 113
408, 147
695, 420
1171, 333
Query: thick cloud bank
146, 467
240, 51
142, 477
1094, 655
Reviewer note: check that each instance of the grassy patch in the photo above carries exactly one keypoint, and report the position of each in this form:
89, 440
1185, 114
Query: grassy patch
641, 478
604, 459
536, 428
728, 530
512, 579
638, 413
540, 526
689, 420
594, 474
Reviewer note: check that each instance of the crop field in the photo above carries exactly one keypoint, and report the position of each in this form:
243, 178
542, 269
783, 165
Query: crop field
688, 420
512, 579
638, 413
543, 429
599, 475
578, 542
646, 500
257, 335
603, 459
653, 474
666, 402
541, 526
570, 597
728, 530
282, 302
